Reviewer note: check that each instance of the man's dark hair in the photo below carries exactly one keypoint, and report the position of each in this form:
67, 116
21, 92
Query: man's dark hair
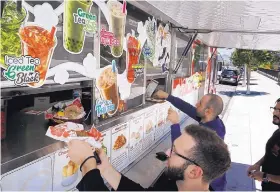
210, 152
277, 101
216, 103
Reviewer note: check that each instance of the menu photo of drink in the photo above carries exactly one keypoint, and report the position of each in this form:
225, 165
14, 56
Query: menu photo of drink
150, 123
136, 131
66, 173
119, 146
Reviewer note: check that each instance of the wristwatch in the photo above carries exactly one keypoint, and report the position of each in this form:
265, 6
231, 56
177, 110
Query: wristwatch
265, 178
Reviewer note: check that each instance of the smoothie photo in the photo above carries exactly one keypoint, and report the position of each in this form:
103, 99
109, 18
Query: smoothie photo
117, 19
11, 21
73, 31
107, 85
133, 56
38, 43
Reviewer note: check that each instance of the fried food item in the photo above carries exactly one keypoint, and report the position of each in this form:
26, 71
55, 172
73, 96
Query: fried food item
72, 111
82, 133
70, 169
120, 142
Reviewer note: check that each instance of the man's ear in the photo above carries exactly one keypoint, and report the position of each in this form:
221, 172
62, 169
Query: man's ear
193, 172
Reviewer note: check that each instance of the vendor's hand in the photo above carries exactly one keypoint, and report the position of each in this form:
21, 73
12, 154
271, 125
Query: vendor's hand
255, 167
173, 116
79, 151
105, 164
257, 175
161, 94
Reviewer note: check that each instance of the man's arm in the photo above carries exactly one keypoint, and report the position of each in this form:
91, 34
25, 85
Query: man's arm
183, 106
175, 132
274, 178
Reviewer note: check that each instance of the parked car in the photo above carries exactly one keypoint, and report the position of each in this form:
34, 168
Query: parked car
229, 76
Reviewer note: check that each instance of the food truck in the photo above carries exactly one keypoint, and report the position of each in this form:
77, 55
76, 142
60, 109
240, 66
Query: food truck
82, 69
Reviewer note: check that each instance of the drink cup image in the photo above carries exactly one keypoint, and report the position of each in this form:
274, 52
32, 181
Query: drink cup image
11, 21
117, 19
40, 43
108, 88
74, 33
133, 56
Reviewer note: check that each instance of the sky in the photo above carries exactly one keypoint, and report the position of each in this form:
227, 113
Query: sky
226, 53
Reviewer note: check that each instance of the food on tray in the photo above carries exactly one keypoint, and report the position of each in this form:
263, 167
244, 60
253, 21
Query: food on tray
120, 142
72, 110
149, 126
68, 129
70, 169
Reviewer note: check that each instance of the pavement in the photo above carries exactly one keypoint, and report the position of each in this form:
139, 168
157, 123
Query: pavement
248, 122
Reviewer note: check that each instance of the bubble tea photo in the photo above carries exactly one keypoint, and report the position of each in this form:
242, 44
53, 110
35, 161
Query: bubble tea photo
73, 32
12, 18
117, 19
107, 85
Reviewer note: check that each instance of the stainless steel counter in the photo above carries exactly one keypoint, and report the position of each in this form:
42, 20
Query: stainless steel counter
26, 140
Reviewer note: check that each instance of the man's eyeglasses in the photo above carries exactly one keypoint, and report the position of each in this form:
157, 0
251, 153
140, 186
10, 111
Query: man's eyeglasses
274, 109
183, 157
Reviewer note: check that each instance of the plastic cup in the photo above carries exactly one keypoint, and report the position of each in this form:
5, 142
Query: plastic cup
73, 33
108, 87
117, 21
36, 42
11, 21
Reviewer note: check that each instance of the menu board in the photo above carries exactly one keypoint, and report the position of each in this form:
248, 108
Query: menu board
106, 142
150, 123
136, 133
35, 176
165, 107
161, 122
66, 173
119, 146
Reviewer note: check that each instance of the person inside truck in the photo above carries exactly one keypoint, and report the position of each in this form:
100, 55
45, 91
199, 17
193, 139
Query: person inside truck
198, 157
269, 175
206, 112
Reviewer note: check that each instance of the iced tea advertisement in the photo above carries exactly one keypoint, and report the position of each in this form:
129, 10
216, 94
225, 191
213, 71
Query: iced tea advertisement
34, 49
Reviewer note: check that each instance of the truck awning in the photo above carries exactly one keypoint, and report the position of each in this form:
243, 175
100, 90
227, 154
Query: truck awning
230, 24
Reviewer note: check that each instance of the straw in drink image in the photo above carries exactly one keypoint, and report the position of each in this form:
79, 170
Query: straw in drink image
13, 16
107, 85
117, 19
38, 43
73, 32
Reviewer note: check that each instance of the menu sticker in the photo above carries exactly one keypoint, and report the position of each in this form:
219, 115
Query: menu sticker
149, 128
136, 132
106, 142
103, 107
22, 70
108, 39
119, 146
161, 121
138, 70
66, 173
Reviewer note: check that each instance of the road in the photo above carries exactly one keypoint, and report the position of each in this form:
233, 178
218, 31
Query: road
226, 91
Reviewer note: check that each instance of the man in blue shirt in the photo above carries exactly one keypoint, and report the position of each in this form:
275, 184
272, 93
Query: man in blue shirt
206, 112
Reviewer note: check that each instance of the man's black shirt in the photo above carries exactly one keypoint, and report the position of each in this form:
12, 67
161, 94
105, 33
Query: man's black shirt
271, 164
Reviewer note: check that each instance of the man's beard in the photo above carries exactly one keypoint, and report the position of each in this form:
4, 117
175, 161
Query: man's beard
277, 121
176, 173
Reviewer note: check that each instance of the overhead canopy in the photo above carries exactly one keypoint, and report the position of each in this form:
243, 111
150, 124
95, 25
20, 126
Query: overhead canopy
231, 24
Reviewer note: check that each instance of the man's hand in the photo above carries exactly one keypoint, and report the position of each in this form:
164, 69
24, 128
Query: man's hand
161, 95
257, 175
173, 116
255, 167
79, 151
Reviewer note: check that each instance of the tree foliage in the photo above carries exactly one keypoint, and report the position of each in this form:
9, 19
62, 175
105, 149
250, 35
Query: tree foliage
254, 58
